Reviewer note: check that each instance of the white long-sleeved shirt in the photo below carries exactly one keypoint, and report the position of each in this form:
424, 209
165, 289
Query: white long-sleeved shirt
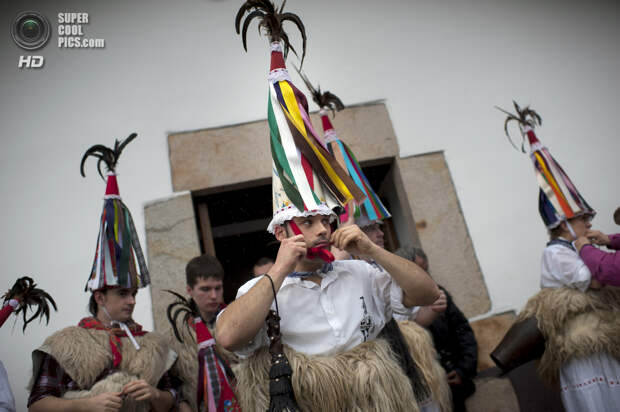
562, 266
350, 306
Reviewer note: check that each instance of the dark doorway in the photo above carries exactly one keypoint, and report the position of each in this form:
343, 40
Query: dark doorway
237, 220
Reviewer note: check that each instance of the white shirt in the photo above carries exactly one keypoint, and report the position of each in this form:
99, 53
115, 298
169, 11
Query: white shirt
562, 266
7, 401
350, 306
409, 313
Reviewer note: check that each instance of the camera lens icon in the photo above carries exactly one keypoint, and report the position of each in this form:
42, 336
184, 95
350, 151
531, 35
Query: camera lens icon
30, 30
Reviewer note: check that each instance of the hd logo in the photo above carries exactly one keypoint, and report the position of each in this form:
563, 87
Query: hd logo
30, 31
30, 62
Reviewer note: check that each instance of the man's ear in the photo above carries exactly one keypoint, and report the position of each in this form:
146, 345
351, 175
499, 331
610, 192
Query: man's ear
280, 233
189, 290
99, 297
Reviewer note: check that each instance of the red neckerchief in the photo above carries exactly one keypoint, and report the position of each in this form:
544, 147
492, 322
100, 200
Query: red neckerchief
314, 252
115, 335
213, 387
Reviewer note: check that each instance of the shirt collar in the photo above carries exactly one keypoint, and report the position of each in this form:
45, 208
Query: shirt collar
327, 273
327, 267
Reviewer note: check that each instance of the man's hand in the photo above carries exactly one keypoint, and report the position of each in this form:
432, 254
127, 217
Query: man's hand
291, 251
454, 378
597, 237
106, 402
353, 240
140, 390
441, 303
581, 242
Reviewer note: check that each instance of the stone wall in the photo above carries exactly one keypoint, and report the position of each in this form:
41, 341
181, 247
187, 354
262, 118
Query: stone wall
443, 232
172, 241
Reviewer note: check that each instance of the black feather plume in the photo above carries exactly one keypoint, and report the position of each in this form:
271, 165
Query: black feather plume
181, 306
29, 295
271, 20
323, 99
523, 117
106, 155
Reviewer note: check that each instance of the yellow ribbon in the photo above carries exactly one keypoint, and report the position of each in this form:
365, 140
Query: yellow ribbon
294, 115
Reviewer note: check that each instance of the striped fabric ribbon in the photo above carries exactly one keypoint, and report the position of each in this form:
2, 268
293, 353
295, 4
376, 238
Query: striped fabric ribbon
214, 389
559, 199
118, 248
301, 160
371, 206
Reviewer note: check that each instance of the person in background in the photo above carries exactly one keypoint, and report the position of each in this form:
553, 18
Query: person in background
107, 362
453, 337
262, 266
604, 266
203, 366
574, 312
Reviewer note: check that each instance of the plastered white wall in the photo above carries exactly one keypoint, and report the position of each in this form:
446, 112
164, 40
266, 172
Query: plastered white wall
174, 66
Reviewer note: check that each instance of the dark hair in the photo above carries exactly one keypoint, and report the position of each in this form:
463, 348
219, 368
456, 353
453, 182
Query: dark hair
263, 261
411, 252
92, 303
203, 267
556, 232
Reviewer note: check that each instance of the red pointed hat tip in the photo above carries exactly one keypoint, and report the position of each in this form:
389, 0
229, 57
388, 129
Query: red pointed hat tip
532, 136
327, 125
112, 186
277, 60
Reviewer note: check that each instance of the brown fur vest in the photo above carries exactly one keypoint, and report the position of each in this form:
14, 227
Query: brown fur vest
186, 366
85, 353
575, 324
365, 378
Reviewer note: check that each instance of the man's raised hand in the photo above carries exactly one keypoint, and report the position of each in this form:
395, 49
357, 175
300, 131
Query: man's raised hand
291, 251
353, 240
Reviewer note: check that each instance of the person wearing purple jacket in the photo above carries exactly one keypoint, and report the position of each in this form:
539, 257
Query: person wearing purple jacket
604, 266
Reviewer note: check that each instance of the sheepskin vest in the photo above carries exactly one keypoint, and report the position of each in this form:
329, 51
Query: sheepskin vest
575, 324
365, 378
85, 354
186, 366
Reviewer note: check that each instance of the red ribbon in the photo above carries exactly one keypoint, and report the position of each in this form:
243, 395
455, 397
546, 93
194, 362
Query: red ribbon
115, 335
314, 252
227, 401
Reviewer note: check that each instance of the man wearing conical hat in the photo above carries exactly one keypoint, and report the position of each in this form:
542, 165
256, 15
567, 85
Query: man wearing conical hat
575, 312
107, 362
369, 215
318, 310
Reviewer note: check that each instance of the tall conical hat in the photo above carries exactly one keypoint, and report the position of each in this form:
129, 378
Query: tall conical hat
307, 179
118, 246
371, 209
558, 198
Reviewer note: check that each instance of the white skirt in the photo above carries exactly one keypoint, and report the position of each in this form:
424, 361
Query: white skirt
591, 384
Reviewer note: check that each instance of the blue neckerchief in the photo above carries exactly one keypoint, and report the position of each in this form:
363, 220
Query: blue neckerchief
563, 242
326, 268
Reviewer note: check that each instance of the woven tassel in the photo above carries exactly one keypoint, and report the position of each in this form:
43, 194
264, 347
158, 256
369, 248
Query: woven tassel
281, 394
